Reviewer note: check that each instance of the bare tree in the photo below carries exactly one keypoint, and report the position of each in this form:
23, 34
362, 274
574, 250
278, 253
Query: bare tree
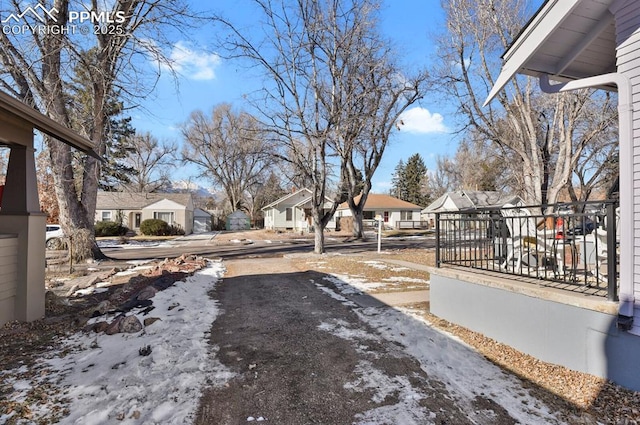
335, 94
152, 162
297, 56
477, 164
545, 135
37, 68
374, 93
230, 149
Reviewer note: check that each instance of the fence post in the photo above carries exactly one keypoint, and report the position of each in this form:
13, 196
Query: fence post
612, 251
437, 239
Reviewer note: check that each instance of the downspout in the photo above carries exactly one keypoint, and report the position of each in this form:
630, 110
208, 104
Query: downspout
625, 117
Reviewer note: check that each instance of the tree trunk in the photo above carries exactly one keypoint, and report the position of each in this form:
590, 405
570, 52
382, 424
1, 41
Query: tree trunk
318, 231
358, 223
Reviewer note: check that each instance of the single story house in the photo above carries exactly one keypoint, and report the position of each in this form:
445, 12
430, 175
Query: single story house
461, 200
569, 45
22, 223
393, 211
132, 208
293, 212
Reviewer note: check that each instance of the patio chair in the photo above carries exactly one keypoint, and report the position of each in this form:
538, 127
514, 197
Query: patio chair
600, 238
527, 247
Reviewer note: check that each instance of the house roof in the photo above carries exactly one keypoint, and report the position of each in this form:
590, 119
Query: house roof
566, 40
199, 212
287, 197
377, 201
469, 200
13, 107
137, 200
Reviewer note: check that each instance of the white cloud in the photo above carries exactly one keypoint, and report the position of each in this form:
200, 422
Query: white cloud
420, 120
193, 64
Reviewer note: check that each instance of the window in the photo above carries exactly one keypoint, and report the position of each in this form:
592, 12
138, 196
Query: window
406, 215
164, 216
106, 215
368, 215
386, 216
289, 214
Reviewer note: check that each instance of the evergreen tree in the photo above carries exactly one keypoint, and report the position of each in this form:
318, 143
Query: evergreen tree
398, 182
113, 172
414, 181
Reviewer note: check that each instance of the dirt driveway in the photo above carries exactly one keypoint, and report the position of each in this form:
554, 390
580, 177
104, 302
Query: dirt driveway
303, 354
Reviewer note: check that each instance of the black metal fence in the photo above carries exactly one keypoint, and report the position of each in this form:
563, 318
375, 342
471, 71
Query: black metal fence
574, 244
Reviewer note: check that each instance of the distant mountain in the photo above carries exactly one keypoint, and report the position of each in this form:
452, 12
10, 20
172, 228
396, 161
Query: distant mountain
194, 188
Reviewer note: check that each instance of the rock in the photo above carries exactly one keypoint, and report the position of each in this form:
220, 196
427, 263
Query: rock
145, 351
130, 324
133, 303
147, 293
100, 327
104, 307
114, 327
150, 321
163, 283
89, 280
51, 300
73, 290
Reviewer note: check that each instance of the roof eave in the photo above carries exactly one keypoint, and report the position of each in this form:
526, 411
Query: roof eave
525, 46
46, 124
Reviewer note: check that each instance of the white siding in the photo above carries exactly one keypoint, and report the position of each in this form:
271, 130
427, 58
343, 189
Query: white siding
628, 61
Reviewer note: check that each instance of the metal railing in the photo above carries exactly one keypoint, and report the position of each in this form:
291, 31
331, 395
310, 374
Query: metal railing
574, 244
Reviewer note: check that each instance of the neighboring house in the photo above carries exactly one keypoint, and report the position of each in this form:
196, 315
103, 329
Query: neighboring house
133, 208
467, 200
22, 224
393, 211
576, 44
293, 212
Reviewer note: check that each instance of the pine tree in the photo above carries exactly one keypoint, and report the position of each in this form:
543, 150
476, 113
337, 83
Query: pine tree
414, 180
113, 172
398, 183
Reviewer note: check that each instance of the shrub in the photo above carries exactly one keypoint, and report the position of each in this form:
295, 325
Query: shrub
110, 228
175, 230
155, 227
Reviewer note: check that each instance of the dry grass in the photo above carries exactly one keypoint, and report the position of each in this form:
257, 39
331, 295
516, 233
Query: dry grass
387, 276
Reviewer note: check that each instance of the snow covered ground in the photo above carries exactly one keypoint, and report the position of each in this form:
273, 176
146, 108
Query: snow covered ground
106, 377
466, 373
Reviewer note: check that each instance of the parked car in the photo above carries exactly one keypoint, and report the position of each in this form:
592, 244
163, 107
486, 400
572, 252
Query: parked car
584, 226
53, 234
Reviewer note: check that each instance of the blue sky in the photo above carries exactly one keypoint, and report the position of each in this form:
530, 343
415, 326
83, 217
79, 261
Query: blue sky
206, 80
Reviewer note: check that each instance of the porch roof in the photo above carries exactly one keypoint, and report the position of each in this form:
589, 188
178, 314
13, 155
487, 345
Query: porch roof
566, 40
13, 107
